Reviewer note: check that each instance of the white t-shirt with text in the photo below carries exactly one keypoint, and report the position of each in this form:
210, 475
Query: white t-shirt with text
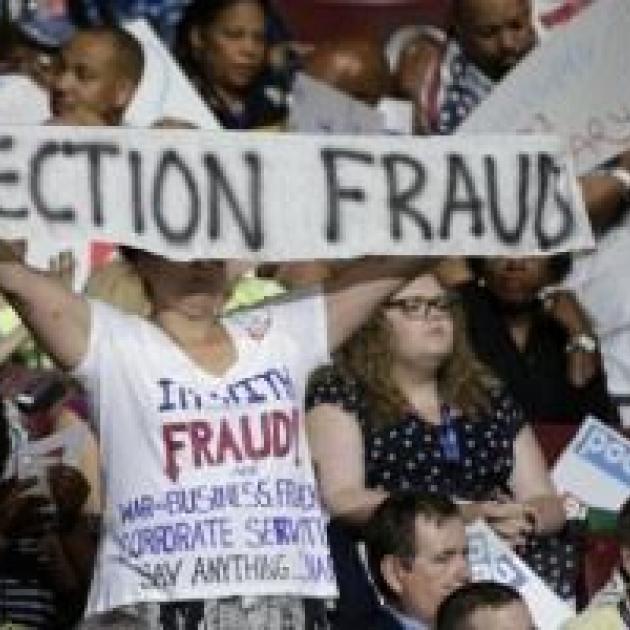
209, 486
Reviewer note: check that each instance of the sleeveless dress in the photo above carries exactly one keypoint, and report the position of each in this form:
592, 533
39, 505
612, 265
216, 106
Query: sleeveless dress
410, 454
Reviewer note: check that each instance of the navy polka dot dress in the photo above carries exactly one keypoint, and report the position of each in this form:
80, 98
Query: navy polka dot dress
409, 454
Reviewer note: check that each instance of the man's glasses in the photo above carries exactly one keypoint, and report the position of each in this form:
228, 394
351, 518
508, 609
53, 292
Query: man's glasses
420, 307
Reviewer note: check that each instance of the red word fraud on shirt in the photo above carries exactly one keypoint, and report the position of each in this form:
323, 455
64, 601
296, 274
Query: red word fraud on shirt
204, 443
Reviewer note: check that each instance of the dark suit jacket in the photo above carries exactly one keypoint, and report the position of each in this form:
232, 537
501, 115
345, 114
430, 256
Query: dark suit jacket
378, 618
384, 620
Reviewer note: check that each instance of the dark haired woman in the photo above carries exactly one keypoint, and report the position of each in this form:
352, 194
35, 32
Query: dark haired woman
542, 348
223, 45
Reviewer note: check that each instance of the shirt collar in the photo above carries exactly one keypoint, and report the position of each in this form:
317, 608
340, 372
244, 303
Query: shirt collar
406, 622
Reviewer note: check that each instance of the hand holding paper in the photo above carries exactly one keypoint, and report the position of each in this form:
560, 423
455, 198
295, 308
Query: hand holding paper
512, 521
595, 467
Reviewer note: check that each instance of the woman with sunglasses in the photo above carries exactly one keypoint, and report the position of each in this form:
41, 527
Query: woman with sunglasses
408, 405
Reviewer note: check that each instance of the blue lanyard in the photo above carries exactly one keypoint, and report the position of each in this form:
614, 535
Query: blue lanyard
449, 436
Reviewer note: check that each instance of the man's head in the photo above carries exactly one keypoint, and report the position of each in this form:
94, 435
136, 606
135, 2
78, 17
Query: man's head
494, 34
5, 440
355, 66
99, 71
416, 549
484, 605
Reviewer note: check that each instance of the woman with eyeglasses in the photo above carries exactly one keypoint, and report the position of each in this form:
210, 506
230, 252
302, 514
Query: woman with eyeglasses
408, 406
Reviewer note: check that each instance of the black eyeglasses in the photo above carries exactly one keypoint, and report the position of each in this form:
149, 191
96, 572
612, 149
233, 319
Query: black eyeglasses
421, 307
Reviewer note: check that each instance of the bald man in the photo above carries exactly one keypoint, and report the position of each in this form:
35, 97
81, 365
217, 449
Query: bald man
494, 35
455, 74
99, 72
355, 66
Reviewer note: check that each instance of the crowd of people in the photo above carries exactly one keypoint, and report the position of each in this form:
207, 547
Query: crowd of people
165, 430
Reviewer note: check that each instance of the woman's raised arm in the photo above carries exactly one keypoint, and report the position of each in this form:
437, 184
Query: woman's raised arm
58, 318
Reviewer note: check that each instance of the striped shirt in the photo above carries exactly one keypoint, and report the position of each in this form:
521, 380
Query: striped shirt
24, 597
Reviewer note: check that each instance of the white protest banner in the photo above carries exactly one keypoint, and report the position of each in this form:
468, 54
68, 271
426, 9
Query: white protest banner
397, 116
572, 84
189, 194
491, 559
595, 467
316, 107
164, 91
22, 102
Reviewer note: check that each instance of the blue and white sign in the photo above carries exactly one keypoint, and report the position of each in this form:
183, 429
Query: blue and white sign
491, 559
595, 467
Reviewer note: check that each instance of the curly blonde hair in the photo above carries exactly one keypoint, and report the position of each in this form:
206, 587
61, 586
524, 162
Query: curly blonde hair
463, 381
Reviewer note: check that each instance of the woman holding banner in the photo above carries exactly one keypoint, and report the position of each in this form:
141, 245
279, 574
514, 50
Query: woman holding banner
409, 406
209, 488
